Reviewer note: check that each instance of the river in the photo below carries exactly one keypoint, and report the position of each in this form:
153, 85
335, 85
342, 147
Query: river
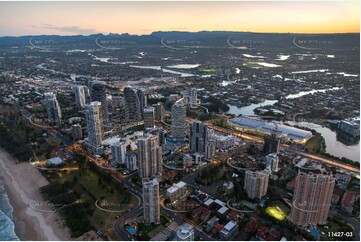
333, 146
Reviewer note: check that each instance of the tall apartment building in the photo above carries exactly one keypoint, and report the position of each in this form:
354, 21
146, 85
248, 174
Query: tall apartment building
158, 110
191, 97
151, 201
80, 96
178, 116
256, 183
53, 108
210, 149
198, 135
142, 99
93, 116
98, 93
132, 104
312, 196
271, 144
131, 161
119, 150
148, 114
149, 156
272, 162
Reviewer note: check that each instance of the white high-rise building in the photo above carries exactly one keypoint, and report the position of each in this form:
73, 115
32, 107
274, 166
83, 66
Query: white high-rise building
272, 162
119, 150
210, 149
53, 108
185, 233
80, 96
131, 161
256, 184
94, 127
149, 156
178, 127
151, 201
191, 97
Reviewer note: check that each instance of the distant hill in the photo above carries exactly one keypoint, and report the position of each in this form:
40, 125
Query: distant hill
202, 38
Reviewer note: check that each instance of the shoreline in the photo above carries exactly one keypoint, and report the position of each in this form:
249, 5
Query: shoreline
23, 189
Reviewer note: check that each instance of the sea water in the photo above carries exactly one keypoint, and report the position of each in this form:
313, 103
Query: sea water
7, 227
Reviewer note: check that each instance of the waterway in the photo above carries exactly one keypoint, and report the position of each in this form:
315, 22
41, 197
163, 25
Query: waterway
333, 146
300, 94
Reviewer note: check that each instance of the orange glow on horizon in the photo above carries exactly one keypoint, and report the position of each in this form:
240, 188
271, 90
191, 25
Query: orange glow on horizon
70, 18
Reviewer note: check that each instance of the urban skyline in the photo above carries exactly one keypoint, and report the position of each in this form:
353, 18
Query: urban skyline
209, 121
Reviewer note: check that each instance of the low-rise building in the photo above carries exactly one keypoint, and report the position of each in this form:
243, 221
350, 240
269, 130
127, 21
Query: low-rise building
229, 231
177, 191
348, 201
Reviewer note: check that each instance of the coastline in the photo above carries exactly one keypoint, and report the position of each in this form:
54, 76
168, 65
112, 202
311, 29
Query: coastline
23, 189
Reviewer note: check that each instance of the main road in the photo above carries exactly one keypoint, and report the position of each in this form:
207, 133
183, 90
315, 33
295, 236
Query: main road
314, 157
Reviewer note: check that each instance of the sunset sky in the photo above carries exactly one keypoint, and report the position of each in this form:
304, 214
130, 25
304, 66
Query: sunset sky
70, 18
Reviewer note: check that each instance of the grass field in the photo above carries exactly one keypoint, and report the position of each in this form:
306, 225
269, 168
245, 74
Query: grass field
208, 70
90, 190
315, 144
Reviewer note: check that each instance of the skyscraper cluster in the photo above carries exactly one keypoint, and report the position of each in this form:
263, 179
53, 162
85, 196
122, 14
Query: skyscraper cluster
198, 136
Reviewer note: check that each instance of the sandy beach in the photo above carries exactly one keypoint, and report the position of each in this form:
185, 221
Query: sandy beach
22, 183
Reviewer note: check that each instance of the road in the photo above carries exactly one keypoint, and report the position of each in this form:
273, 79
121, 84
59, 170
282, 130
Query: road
127, 217
311, 156
327, 161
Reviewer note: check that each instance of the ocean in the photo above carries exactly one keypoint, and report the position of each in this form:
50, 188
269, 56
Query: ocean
7, 227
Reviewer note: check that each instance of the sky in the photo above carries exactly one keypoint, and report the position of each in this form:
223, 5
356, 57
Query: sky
71, 18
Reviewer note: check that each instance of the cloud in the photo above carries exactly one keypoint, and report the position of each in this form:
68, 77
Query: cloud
67, 29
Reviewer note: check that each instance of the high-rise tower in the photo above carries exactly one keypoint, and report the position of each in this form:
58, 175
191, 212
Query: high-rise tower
179, 120
132, 104
94, 126
312, 196
53, 108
